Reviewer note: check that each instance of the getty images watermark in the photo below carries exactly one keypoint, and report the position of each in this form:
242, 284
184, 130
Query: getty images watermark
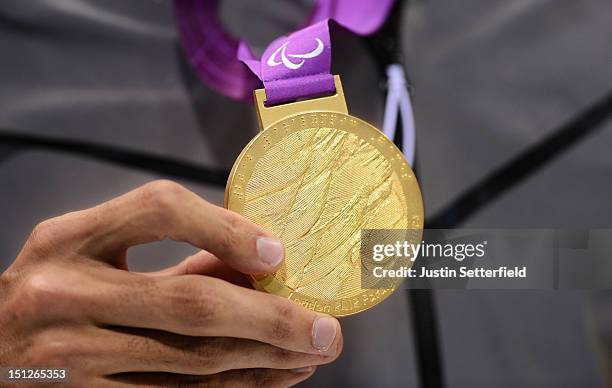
424, 250
486, 259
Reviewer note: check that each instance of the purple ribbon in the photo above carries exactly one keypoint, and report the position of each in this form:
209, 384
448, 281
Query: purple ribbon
295, 66
292, 67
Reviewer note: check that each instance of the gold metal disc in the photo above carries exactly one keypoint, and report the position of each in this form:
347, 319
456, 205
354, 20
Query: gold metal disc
315, 180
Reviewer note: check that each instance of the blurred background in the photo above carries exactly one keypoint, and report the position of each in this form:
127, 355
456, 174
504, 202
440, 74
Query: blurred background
492, 79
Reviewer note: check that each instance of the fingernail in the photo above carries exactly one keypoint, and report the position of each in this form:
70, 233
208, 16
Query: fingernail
306, 369
270, 250
323, 333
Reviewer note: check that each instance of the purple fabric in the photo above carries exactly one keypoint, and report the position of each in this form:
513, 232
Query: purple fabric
298, 69
295, 66
211, 50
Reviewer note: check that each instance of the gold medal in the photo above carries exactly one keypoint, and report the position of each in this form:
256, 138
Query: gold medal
316, 177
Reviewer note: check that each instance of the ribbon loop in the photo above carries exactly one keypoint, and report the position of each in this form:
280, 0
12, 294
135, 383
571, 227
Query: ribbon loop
300, 61
295, 66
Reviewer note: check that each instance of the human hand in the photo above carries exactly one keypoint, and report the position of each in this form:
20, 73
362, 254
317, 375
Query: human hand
68, 300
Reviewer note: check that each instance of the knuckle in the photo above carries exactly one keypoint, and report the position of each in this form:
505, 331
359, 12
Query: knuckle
30, 298
161, 194
8, 279
234, 221
205, 354
235, 236
193, 304
57, 349
282, 327
37, 290
228, 240
43, 237
170, 350
56, 234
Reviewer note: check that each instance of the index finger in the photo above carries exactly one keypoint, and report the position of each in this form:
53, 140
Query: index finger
164, 209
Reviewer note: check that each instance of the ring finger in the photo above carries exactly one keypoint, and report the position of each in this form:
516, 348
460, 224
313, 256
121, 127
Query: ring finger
137, 350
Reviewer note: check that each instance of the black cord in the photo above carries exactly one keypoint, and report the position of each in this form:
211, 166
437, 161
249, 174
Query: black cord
422, 305
139, 160
385, 46
426, 332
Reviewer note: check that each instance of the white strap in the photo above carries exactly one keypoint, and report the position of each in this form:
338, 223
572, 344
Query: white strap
398, 99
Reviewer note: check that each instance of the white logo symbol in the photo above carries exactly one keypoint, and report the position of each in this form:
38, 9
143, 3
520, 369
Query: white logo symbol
272, 61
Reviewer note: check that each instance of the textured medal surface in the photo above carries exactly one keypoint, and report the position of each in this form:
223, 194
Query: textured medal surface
316, 180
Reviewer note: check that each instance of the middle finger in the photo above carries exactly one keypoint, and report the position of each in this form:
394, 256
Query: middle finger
198, 305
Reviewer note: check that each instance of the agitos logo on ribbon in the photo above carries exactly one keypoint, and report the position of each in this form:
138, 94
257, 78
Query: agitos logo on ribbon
309, 77
272, 61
